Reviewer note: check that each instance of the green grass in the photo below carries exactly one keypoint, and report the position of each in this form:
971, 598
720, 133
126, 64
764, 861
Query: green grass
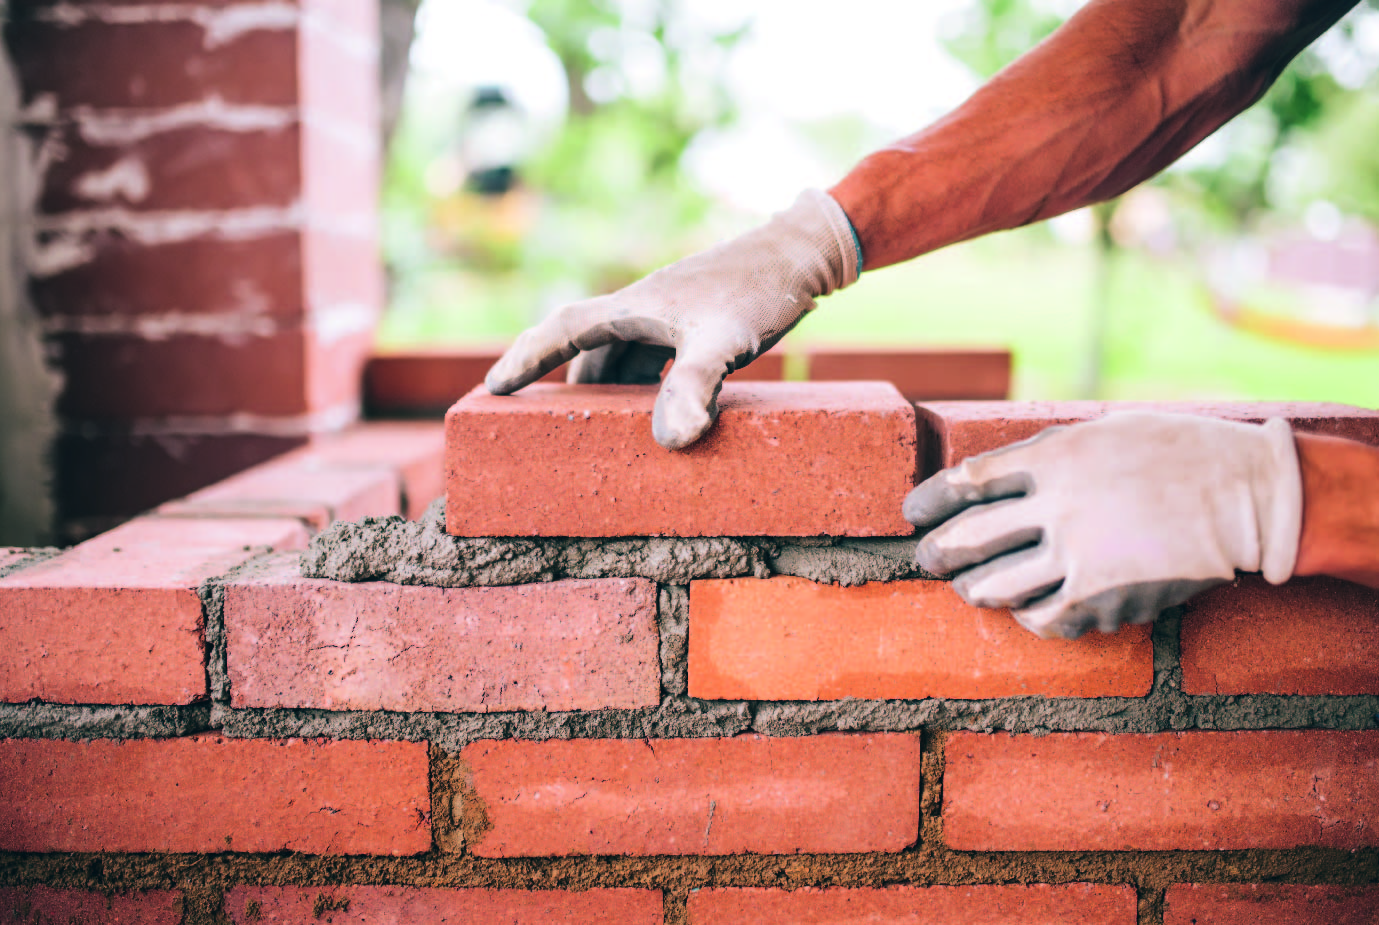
1015, 290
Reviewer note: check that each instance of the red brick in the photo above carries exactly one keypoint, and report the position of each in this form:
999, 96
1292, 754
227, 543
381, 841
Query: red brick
339, 64
769, 367
152, 64
41, 905
749, 794
358, 905
335, 368
1070, 904
953, 431
354, 18
1269, 904
340, 180
426, 382
566, 645
784, 459
1309, 636
300, 486
414, 450
919, 374
342, 270
208, 795
1166, 791
252, 278
185, 168
117, 619
791, 639
111, 473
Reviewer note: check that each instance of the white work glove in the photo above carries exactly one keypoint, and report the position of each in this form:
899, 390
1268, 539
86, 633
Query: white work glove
714, 312
1114, 520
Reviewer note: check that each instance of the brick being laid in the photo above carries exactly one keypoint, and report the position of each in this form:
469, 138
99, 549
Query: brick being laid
791, 639
1161, 791
745, 795
118, 619
784, 459
212, 795
566, 645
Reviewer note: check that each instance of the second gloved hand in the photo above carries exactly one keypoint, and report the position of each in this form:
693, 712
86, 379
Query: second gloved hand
714, 312
1110, 522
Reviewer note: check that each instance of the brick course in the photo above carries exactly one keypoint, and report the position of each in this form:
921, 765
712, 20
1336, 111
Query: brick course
568, 645
919, 374
1166, 791
213, 795
1270, 904
246, 905
791, 639
41, 905
589, 454
750, 794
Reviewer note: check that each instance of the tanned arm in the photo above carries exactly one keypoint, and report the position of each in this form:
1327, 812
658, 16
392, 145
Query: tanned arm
1123, 89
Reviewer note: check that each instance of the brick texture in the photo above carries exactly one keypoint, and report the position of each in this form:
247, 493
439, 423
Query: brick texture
920, 375
1309, 636
41, 905
213, 795
791, 639
750, 794
1167, 791
567, 645
784, 459
413, 450
1270, 904
953, 431
118, 619
364, 905
1071, 904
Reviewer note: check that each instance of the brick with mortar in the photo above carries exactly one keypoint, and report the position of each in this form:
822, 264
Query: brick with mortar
791, 639
749, 794
952, 431
1164, 791
41, 905
568, 645
1271, 903
117, 619
210, 795
358, 905
1038, 904
1309, 636
784, 459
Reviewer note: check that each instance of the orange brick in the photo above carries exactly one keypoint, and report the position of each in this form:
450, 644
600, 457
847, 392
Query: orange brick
784, 459
300, 484
749, 794
359, 905
207, 795
1270, 904
430, 381
1070, 904
41, 905
117, 619
415, 450
1309, 636
920, 374
953, 431
567, 645
791, 639
1166, 791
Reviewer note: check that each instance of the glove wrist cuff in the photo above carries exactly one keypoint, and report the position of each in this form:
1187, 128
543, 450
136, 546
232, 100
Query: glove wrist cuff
1280, 522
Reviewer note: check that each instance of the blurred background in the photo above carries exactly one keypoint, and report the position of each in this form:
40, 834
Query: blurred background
547, 150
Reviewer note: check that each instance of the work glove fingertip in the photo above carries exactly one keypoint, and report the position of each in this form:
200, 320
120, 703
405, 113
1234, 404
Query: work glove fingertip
687, 405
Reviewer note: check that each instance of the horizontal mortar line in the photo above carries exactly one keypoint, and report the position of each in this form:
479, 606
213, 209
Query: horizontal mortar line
223, 325
1143, 869
222, 24
102, 126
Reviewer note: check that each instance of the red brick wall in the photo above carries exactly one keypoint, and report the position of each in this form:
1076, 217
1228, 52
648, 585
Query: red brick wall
205, 261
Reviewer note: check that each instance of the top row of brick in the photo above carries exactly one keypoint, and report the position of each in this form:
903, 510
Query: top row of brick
784, 459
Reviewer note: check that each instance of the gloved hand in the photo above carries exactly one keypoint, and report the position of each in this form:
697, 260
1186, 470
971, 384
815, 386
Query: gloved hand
714, 312
1111, 521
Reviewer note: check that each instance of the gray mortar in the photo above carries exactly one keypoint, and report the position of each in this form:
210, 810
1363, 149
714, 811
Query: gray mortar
68, 721
672, 615
421, 553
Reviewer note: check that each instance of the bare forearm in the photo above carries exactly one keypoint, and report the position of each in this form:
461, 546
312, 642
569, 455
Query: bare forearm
1340, 509
1122, 90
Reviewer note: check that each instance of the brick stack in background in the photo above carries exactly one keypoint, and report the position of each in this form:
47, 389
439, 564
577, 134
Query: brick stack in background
206, 259
732, 745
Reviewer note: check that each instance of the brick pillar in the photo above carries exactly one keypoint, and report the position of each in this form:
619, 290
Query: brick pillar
205, 261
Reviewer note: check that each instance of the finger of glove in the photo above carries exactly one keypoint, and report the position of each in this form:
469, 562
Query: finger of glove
687, 404
1011, 580
551, 342
1069, 616
976, 535
988, 477
622, 363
